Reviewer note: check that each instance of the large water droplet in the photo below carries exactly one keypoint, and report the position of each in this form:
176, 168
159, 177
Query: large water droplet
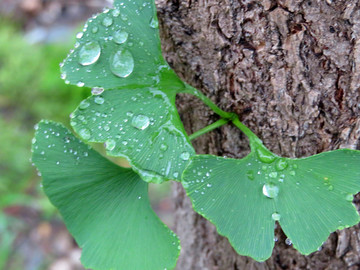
276, 216
140, 122
270, 190
265, 155
85, 134
281, 164
122, 63
97, 91
89, 53
120, 36
185, 156
154, 23
107, 21
110, 145
84, 104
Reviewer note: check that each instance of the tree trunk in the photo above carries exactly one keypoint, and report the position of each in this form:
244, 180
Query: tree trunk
291, 70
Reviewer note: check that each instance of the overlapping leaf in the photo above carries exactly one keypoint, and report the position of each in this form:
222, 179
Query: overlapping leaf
310, 197
119, 47
105, 207
139, 124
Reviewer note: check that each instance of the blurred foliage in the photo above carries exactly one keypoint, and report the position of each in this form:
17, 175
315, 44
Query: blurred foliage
30, 89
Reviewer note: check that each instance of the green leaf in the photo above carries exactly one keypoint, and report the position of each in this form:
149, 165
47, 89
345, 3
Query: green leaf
141, 125
105, 207
119, 47
310, 197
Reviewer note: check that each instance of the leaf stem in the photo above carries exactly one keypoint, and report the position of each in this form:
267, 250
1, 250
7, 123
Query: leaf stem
208, 128
253, 139
193, 91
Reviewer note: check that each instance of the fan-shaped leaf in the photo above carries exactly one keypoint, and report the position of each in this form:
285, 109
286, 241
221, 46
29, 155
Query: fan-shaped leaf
140, 124
310, 197
105, 207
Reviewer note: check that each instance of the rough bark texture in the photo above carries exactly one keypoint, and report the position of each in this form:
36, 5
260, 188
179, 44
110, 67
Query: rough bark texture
291, 70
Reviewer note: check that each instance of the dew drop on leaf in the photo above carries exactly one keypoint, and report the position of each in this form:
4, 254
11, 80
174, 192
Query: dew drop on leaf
250, 175
115, 12
110, 145
95, 29
281, 164
349, 197
276, 216
84, 104
80, 84
107, 21
163, 147
185, 156
154, 23
140, 122
120, 36
89, 53
273, 174
99, 100
85, 134
270, 190
122, 63
265, 155
97, 91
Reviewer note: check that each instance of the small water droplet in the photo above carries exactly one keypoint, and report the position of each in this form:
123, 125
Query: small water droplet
140, 122
270, 190
276, 216
154, 23
349, 197
122, 63
85, 134
185, 156
293, 173
97, 91
250, 175
99, 100
331, 187
89, 53
110, 144
79, 35
281, 164
120, 36
176, 174
107, 21
265, 155
95, 29
84, 104
288, 242
115, 12
273, 174
80, 84
163, 147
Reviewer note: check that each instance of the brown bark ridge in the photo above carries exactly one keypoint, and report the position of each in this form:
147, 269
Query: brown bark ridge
291, 70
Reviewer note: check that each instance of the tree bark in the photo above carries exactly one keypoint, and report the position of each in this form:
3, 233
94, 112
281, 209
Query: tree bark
291, 70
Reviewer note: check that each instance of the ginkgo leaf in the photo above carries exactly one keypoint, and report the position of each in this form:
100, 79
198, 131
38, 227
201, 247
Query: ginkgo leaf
119, 47
140, 124
105, 207
310, 197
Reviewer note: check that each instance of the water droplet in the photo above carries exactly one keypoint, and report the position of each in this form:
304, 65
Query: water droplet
84, 104
288, 242
281, 164
106, 128
176, 174
250, 175
163, 147
349, 197
89, 53
270, 190
276, 216
115, 12
110, 145
265, 155
273, 174
149, 176
95, 29
331, 187
97, 91
99, 100
120, 36
293, 173
154, 23
79, 35
122, 63
185, 156
80, 84
140, 122
107, 21
85, 134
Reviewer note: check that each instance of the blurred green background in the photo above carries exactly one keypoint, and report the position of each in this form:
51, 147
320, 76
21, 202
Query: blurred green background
32, 235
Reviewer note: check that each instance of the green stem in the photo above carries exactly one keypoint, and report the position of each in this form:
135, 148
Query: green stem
193, 91
209, 128
253, 139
